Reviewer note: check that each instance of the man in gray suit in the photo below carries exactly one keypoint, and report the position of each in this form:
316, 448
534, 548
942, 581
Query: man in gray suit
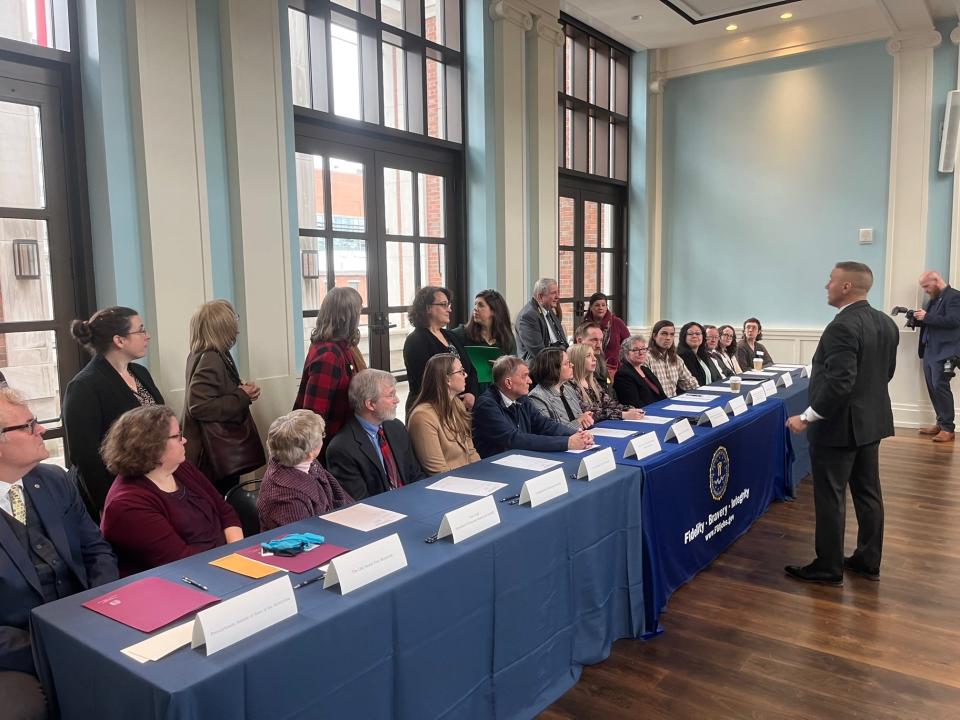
939, 343
538, 325
849, 415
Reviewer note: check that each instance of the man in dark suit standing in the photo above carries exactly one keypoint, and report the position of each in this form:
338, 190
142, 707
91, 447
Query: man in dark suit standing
538, 325
849, 415
939, 342
372, 452
51, 549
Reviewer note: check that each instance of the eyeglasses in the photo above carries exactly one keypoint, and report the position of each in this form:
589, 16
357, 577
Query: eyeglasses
141, 331
31, 426
444, 305
694, 333
461, 371
640, 350
178, 436
727, 335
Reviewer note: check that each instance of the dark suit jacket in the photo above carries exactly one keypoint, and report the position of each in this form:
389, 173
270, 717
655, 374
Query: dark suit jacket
78, 542
631, 388
495, 431
692, 361
940, 329
419, 347
353, 461
532, 333
854, 361
96, 397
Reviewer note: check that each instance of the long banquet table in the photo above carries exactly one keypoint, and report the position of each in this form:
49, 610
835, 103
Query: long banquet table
498, 626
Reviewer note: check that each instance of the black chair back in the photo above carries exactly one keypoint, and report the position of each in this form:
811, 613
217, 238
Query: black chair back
243, 498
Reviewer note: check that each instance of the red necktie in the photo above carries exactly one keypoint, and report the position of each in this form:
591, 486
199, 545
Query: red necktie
389, 464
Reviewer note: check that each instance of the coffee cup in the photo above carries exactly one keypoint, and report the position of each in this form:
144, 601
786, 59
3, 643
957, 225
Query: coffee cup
735, 383
758, 363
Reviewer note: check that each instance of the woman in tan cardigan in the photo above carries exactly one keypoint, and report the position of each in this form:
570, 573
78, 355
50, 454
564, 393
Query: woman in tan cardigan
439, 424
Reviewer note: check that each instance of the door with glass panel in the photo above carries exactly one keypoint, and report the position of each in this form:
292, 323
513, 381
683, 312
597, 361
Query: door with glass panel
589, 245
37, 292
378, 222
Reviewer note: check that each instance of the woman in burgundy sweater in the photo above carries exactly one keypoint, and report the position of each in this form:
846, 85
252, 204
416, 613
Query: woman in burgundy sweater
160, 508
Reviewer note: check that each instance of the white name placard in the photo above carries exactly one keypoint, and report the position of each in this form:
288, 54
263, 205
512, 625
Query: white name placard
680, 431
368, 563
769, 388
538, 490
736, 406
807, 370
467, 521
642, 447
785, 380
596, 464
757, 396
240, 617
714, 417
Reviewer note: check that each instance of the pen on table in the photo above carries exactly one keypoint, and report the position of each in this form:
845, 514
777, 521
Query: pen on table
195, 583
321, 576
511, 497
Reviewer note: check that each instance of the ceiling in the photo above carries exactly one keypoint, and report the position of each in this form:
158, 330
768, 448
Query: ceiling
659, 25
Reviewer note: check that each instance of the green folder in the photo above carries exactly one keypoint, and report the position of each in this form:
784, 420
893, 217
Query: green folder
482, 357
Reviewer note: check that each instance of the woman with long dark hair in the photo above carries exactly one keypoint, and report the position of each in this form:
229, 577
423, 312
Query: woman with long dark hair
663, 360
693, 351
489, 323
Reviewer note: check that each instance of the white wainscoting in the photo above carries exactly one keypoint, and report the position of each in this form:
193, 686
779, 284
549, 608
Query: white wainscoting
908, 393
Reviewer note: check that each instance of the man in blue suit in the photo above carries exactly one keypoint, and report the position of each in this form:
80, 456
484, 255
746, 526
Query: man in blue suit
51, 549
939, 342
504, 419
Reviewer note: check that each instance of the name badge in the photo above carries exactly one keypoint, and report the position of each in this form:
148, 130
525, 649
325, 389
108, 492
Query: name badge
538, 490
365, 564
596, 464
807, 369
467, 521
679, 431
736, 406
714, 417
757, 396
785, 380
643, 446
240, 617
769, 388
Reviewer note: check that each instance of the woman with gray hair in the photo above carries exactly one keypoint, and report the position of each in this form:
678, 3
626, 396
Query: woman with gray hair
295, 485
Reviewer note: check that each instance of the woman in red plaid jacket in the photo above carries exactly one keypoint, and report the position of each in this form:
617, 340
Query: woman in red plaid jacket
333, 359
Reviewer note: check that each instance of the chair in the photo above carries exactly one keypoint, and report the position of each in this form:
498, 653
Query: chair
243, 498
482, 357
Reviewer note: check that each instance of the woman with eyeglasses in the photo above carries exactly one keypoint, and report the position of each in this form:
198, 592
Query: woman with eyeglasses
635, 383
594, 397
728, 349
161, 508
750, 351
692, 350
439, 424
555, 396
216, 399
108, 386
295, 485
614, 329
430, 314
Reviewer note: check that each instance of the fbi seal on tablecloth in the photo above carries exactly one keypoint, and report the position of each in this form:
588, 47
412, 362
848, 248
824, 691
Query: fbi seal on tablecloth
719, 473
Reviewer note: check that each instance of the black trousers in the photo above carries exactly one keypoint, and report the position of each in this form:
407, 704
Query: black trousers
833, 469
941, 396
21, 697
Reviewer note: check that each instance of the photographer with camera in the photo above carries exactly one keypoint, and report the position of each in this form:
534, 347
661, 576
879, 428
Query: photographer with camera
939, 324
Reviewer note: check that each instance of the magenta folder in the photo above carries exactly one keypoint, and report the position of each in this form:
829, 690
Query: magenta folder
298, 563
150, 603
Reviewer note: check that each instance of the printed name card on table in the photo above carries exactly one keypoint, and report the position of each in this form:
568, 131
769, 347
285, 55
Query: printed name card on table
807, 369
467, 521
596, 464
680, 431
785, 380
714, 417
368, 563
642, 447
769, 388
538, 490
240, 617
736, 406
757, 396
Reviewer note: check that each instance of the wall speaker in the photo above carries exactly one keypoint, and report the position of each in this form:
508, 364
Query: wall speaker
948, 136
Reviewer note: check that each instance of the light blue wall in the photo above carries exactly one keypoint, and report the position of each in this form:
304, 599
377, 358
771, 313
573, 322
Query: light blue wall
110, 157
769, 170
638, 239
940, 198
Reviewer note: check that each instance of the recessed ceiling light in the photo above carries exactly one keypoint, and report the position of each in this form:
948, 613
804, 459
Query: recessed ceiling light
786, 16
730, 28
637, 17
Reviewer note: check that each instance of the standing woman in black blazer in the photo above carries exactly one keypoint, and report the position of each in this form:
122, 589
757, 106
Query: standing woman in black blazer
430, 314
109, 385
635, 383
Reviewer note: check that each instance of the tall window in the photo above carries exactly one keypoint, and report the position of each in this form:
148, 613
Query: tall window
593, 148
378, 110
44, 262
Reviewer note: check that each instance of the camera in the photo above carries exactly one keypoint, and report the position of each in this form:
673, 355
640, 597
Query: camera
912, 321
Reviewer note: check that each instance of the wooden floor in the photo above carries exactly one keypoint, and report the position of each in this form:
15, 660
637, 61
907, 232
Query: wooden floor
742, 640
